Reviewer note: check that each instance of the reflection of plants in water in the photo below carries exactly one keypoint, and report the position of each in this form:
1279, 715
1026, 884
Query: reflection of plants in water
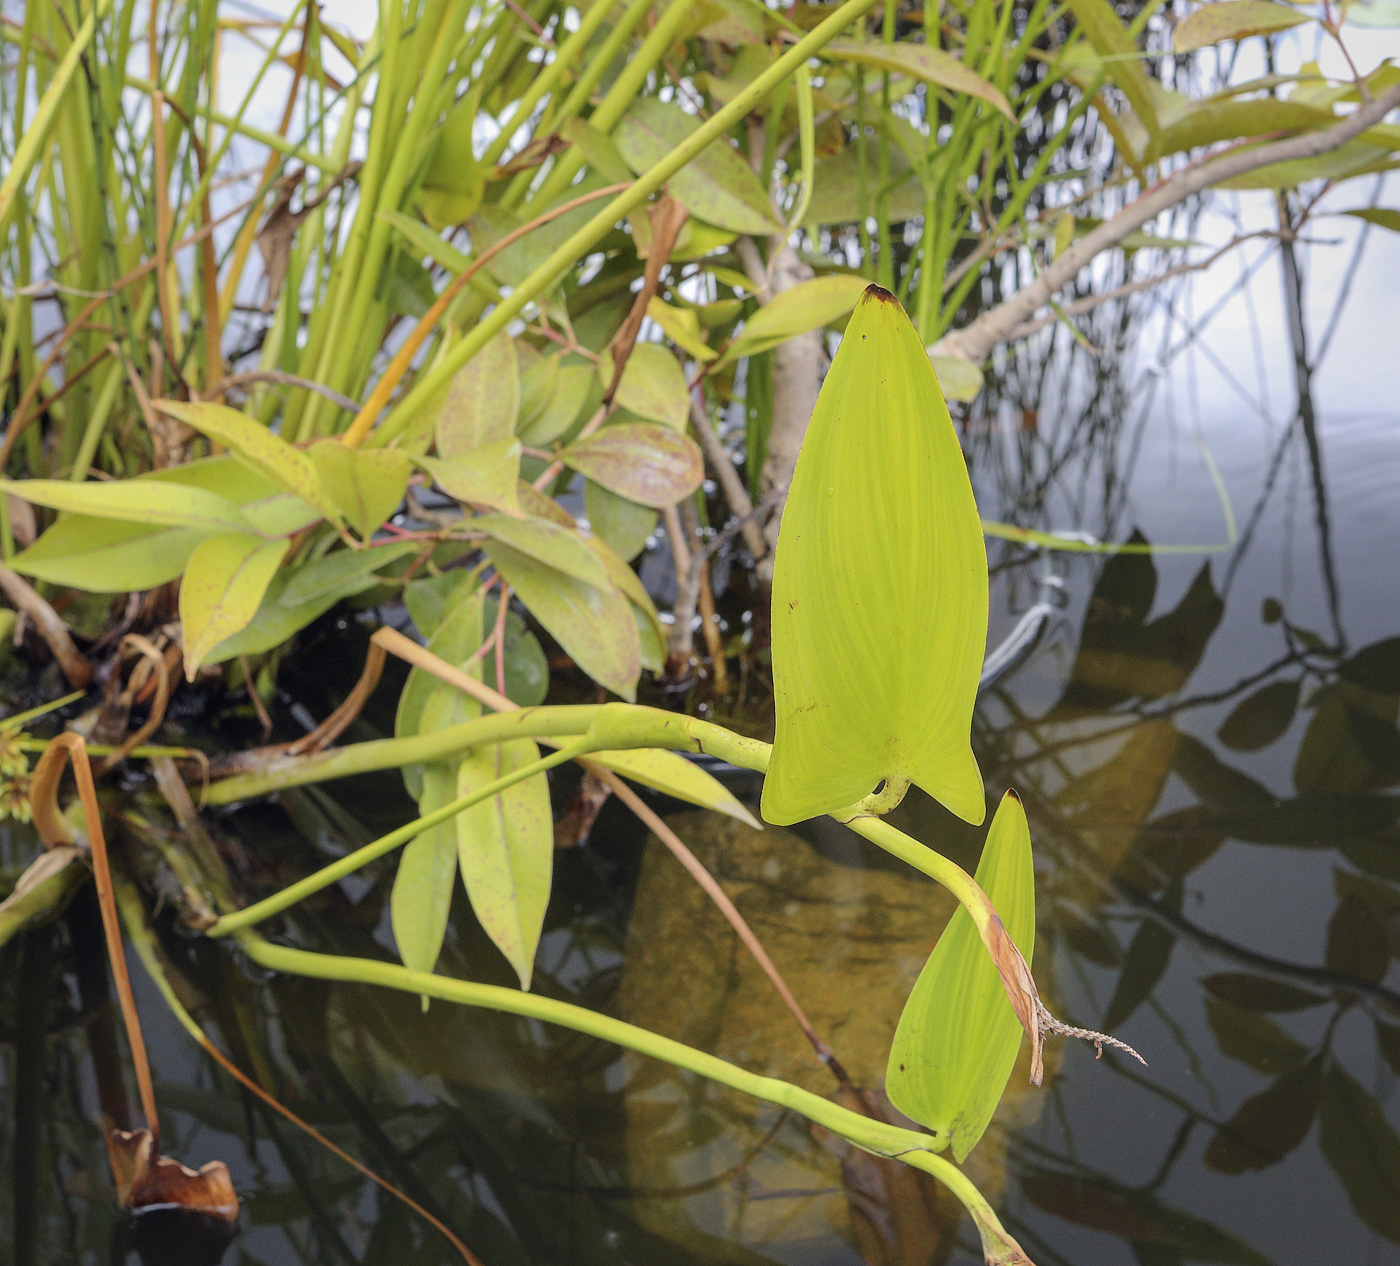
1094, 767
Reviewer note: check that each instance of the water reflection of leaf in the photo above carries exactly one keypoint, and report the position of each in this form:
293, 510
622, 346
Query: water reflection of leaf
1271, 1124
1261, 718
1351, 743
1376, 667
1356, 942
850, 943
1253, 1039
1144, 965
1259, 993
1137, 1216
1388, 1039
1121, 655
1171, 847
1363, 1151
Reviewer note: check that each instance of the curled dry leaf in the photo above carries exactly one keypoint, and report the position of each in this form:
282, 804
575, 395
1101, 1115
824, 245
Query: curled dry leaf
147, 1181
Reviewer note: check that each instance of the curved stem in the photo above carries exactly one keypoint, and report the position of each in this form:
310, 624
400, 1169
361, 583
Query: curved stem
876, 1137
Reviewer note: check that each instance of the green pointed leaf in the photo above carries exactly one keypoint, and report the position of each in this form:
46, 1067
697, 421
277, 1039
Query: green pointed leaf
427, 703
343, 572
594, 625
505, 850
623, 524
672, 775
268, 454
108, 555
932, 65
548, 543
719, 187
652, 386
879, 587
539, 380
629, 584
527, 670
1386, 217
273, 624
366, 484
1104, 29
427, 873
224, 584
487, 476
651, 465
481, 402
134, 501
958, 1036
1233, 20
807, 306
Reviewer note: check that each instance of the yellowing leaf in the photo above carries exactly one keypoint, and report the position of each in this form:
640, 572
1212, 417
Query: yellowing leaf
683, 332
135, 501
958, 1036
224, 584
807, 306
593, 625
652, 386
486, 476
549, 543
366, 484
960, 379
422, 896
671, 774
932, 65
505, 851
269, 454
651, 465
879, 587
481, 401
718, 186
1233, 20
343, 572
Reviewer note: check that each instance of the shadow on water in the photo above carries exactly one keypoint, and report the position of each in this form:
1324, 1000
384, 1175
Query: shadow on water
1207, 747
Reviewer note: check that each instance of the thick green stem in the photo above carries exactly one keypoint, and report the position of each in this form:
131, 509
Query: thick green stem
361, 758
581, 242
347, 865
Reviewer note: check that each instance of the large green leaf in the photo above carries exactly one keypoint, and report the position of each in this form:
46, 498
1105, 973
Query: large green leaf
505, 850
932, 65
719, 186
481, 402
807, 306
593, 625
366, 484
267, 453
224, 584
1233, 20
879, 587
273, 623
134, 501
651, 465
958, 1036
108, 555
427, 873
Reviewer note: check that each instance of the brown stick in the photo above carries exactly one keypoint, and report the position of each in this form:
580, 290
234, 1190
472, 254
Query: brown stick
53, 830
75, 665
997, 325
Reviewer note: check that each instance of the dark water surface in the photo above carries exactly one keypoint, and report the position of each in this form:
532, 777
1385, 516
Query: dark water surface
1206, 743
